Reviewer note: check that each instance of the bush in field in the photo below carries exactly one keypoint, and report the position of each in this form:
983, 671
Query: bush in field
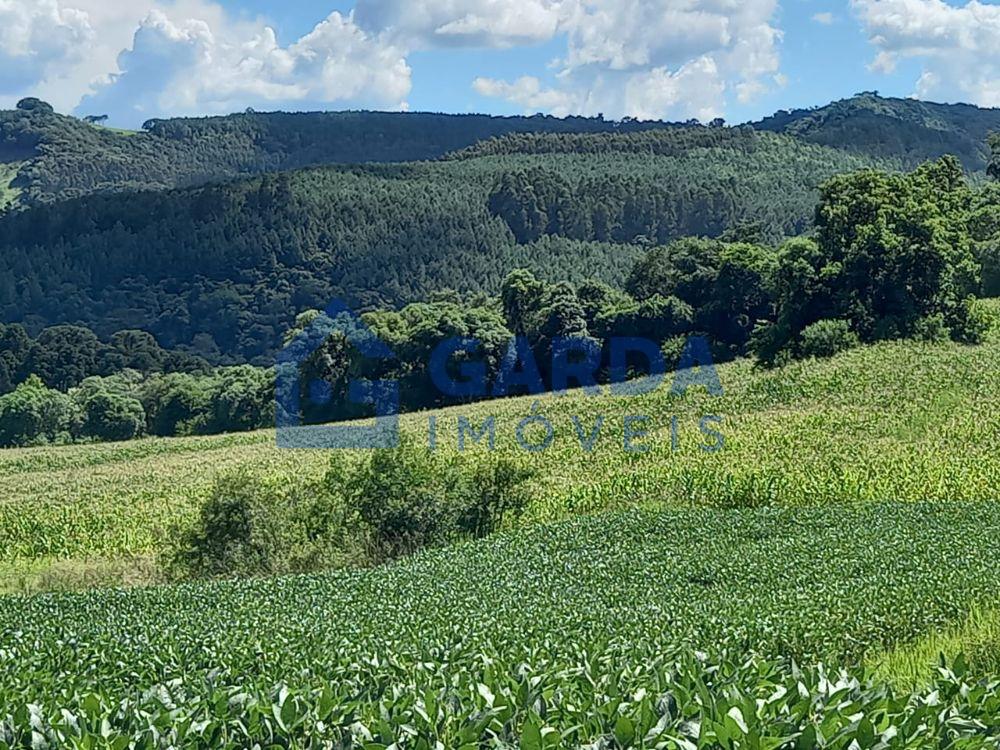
34, 414
250, 526
399, 501
112, 416
410, 498
825, 338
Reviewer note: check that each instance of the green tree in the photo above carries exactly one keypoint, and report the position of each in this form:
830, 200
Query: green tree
33, 414
137, 350
64, 355
15, 347
174, 402
108, 415
724, 284
891, 251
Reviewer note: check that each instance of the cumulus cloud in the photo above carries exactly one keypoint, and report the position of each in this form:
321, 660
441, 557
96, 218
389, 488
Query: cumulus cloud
148, 58
192, 66
658, 58
826, 18
959, 46
528, 93
39, 37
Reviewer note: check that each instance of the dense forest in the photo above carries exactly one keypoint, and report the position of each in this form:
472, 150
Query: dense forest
52, 157
892, 255
47, 157
223, 269
908, 130
148, 279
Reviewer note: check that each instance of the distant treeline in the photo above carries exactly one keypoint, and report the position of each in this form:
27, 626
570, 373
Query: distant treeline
892, 256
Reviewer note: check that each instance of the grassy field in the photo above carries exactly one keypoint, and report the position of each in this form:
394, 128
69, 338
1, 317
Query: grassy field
580, 628
894, 421
849, 521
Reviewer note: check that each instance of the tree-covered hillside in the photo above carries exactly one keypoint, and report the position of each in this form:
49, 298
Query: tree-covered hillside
60, 157
906, 129
225, 268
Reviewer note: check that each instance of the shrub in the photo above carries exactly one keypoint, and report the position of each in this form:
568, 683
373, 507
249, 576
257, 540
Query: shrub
931, 328
112, 416
397, 502
826, 338
971, 322
33, 414
406, 497
250, 526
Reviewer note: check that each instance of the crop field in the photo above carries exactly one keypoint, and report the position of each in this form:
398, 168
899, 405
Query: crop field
796, 588
893, 421
585, 631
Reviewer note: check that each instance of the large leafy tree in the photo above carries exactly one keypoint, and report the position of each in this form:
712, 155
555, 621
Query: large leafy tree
33, 414
725, 284
15, 346
64, 355
892, 252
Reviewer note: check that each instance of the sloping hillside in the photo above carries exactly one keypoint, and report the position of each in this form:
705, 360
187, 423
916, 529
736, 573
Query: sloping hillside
909, 130
236, 262
64, 157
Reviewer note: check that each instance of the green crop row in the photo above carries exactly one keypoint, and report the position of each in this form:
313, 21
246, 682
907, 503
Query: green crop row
566, 634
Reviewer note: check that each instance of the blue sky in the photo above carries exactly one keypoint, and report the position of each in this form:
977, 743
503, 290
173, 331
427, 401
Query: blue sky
823, 62
670, 59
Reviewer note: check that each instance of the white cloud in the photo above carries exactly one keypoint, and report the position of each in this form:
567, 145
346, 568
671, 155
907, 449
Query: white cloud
825, 18
959, 46
144, 58
38, 38
660, 58
192, 66
148, 58
527, 92
695, 89
468, 23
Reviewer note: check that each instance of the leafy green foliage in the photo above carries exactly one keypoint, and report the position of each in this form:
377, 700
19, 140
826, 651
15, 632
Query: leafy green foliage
726, 284
112, 416
993, 168
890, 251
826, 338
398, 502
583, 632
33, 414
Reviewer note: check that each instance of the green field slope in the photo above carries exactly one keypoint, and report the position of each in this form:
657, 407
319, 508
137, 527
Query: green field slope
896, 421
585, 629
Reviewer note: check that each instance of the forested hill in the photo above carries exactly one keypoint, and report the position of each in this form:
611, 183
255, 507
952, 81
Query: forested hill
909, 130
224, 268
45, 157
